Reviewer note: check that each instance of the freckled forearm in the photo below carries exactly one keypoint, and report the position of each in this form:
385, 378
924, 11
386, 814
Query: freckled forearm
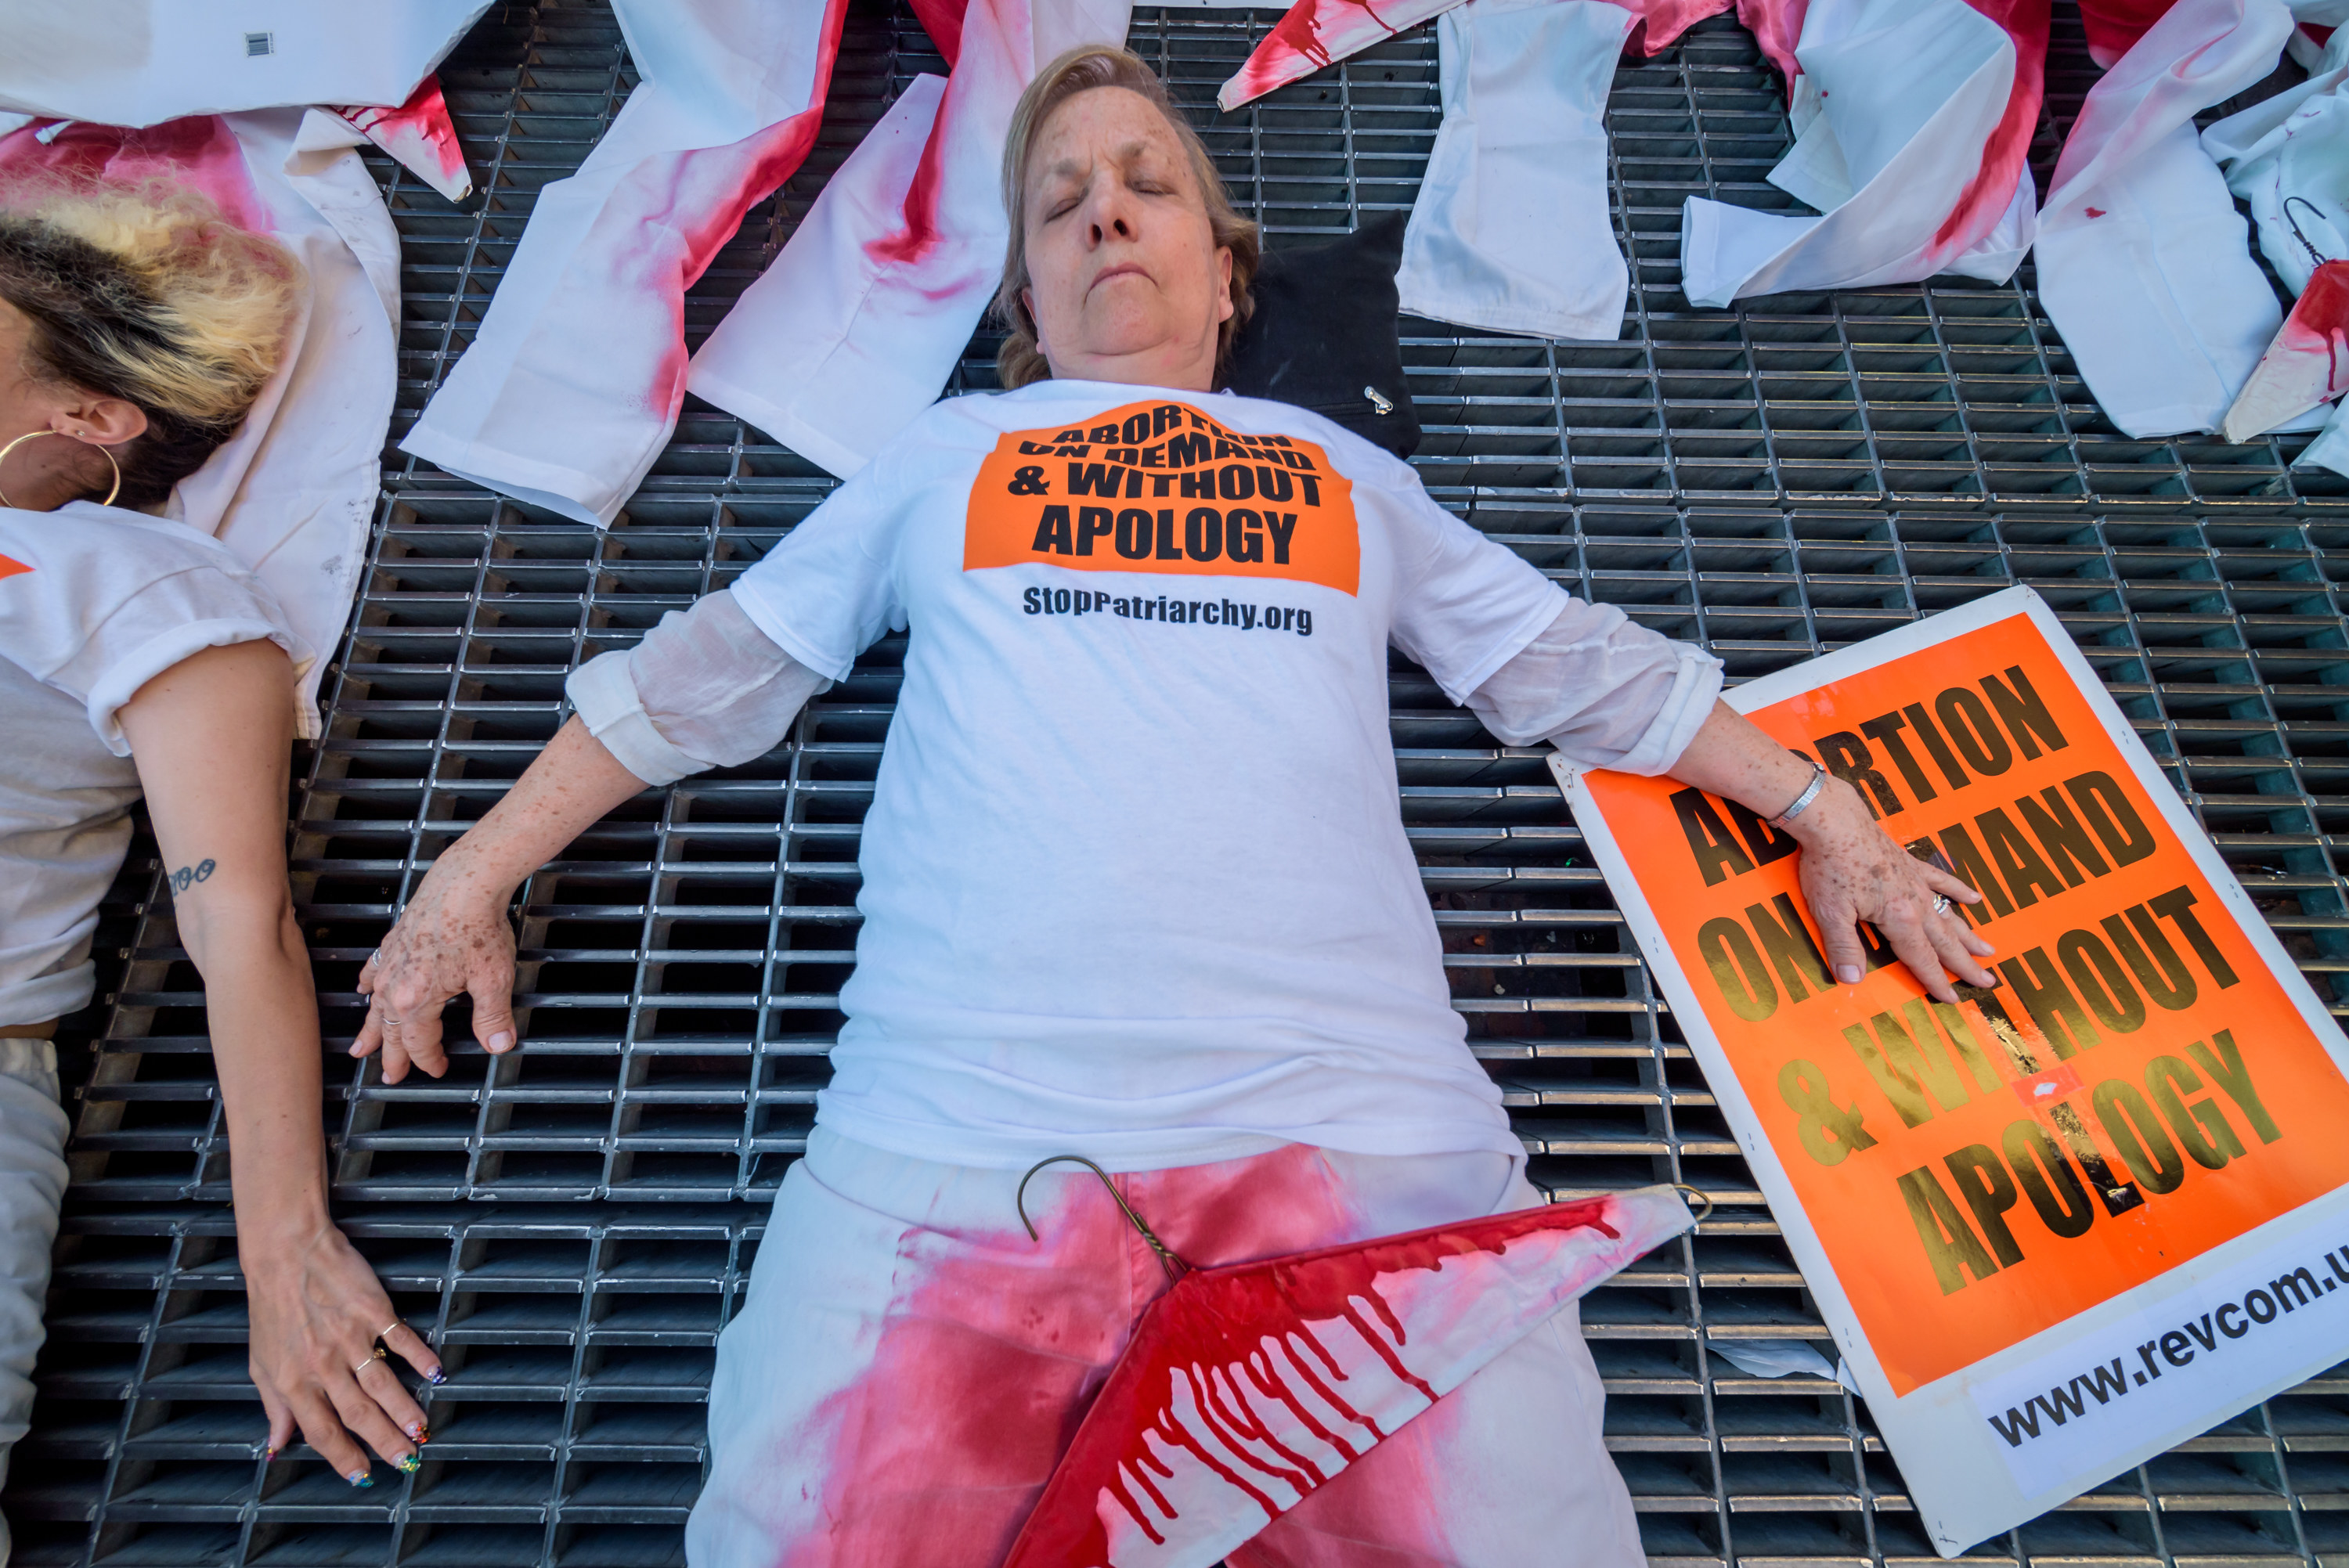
575, 783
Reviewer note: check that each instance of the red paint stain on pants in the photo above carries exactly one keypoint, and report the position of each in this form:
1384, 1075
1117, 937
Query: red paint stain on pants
993, 1351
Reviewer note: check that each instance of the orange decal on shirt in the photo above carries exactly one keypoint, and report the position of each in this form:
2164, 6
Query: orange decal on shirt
10, 568
1160, 487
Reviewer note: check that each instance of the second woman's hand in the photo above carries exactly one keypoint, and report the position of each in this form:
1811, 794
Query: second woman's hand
315, 1312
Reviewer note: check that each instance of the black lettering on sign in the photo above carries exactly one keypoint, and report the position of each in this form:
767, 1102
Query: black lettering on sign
1952, 1248
1719, 853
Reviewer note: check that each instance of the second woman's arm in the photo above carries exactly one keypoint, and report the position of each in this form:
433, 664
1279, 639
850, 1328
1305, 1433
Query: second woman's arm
212, 737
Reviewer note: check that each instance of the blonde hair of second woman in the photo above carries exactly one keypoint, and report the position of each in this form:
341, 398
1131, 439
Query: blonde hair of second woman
1021, 362
148, 293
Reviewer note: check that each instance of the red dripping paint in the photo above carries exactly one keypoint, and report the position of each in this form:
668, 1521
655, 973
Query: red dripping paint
920, 230
2321, 312
1314, 33
942, 20
1777, 26
198, 152
421, 135
1992, 190
688, 204
1273, 1327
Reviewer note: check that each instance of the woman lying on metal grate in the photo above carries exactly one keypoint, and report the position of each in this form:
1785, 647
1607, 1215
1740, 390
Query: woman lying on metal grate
138, 656
1135, 886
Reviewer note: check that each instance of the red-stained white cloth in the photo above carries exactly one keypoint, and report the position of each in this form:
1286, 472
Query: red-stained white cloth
2143, 261
1314, 34
573, 382
855, 327
2289, 159
293, 494
1912, 121
908, 1367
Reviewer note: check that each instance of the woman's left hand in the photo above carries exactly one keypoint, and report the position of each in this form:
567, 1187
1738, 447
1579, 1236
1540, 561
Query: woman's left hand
1853, 871
315, 1311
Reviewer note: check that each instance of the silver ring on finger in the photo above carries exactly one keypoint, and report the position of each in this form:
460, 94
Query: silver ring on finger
389, 1020
1941, 903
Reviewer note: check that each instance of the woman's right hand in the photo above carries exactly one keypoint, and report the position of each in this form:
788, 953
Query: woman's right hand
316, 1312
451, 940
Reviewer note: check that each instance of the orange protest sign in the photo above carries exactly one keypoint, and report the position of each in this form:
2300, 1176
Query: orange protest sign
1162, 488
2068, 1221
2139, 1090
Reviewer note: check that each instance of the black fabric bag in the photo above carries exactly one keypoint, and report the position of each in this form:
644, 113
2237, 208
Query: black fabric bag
1323, 334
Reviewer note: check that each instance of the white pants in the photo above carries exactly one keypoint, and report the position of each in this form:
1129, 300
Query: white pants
32, 1186
572, 386
855, 327
857, 1418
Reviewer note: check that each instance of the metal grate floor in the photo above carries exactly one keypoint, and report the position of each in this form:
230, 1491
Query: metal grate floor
574, 1224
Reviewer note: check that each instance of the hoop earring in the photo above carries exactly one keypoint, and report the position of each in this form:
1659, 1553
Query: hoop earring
61, 435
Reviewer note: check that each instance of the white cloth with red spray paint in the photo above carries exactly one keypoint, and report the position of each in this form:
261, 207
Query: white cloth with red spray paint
857, 326
2144, 264
293, 494
2289, 159
574, 380
908, 1365
1315, 34
1913, 120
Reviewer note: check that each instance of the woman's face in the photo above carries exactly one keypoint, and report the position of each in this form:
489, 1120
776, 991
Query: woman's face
1125, 280
44, 474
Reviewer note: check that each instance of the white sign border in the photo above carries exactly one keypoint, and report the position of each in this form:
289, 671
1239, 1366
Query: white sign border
1957, 1475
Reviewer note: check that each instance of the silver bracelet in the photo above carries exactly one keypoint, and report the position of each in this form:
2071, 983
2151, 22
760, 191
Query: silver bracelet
1810, 794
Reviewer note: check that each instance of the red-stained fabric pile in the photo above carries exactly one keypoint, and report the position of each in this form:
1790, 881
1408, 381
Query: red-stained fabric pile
1247, 1388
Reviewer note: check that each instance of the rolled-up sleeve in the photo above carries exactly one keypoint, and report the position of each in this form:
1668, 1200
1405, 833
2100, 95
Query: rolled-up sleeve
1603, 690
706, 688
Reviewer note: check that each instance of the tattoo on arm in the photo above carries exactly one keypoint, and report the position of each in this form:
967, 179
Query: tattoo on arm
187, 877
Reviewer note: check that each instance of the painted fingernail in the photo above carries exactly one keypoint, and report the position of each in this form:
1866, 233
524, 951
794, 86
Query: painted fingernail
415, 1431
360, 1477
423, 1434
436, 1377
501, 1041
269, 1453
410, 1463
1847, 972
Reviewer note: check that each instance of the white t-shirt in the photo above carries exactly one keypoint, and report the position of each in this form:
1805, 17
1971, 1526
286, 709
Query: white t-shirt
1135, 880
94, 602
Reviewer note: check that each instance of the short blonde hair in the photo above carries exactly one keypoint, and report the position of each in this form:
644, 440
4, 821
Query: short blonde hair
148, 293
1020, 361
